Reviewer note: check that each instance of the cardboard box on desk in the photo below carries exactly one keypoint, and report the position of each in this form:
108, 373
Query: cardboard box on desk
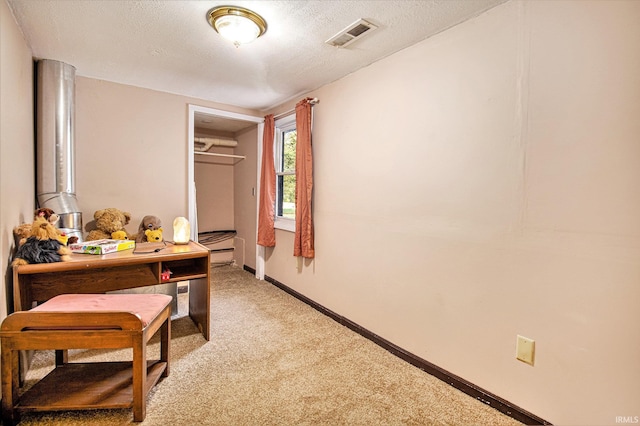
102, 246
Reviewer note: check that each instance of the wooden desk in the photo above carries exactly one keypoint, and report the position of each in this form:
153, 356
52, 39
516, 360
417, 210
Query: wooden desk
89, 273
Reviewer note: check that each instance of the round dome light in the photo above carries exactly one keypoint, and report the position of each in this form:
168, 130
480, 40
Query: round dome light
237, 24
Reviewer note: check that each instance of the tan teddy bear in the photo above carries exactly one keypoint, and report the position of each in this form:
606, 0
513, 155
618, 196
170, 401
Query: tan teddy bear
108, 221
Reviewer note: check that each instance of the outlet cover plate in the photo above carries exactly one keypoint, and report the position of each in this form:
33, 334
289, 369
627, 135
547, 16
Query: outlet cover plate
525, 349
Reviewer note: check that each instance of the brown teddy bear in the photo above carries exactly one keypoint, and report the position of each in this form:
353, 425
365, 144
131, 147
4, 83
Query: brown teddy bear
148, 223
109, 220
42, 246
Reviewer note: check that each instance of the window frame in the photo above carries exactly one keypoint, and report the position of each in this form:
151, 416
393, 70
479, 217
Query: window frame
282, 125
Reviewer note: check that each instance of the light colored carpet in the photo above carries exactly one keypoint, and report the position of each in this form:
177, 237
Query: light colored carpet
273, 360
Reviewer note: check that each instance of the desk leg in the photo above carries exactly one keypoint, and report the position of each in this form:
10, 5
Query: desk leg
200, 305
62, 357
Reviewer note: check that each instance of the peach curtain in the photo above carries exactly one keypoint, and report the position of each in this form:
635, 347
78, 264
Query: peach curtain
303, 239
266, 212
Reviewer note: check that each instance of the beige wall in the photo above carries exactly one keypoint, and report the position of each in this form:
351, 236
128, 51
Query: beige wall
214, 194
214, 191
478, 185
483, 184
146, 132
17, 179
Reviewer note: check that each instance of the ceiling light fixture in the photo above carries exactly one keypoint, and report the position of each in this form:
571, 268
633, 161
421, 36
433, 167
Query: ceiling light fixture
237, 24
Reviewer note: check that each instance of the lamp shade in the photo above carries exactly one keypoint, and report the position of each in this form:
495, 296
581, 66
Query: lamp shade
181, 230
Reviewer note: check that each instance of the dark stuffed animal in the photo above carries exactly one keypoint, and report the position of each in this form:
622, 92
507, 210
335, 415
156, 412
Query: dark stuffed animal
48, 214
42, 246
148, 223
36, 251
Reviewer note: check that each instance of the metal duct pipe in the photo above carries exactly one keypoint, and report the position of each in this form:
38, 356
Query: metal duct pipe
55, 153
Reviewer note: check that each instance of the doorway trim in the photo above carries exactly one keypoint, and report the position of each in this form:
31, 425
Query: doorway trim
191, 190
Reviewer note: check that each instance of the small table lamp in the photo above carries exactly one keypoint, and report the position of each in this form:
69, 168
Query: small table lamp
181, 230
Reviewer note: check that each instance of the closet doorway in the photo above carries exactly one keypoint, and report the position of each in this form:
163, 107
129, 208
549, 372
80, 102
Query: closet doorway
223, 183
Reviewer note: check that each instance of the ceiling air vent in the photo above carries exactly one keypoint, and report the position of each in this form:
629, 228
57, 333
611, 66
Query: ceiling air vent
352, 33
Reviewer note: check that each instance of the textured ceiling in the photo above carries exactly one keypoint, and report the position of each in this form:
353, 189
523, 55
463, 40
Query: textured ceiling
169, 45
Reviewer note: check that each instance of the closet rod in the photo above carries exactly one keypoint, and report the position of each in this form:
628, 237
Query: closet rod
215, 154
284, 114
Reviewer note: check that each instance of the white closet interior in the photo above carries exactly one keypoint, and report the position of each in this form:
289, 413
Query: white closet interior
215, 160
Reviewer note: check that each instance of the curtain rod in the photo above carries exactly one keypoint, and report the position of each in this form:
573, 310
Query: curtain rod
312, 101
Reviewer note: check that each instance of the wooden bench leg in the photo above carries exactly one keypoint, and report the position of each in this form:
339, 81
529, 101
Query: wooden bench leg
10, 377
165, 337
139, 378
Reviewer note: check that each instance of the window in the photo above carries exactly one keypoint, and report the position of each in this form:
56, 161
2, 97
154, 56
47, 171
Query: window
285, 164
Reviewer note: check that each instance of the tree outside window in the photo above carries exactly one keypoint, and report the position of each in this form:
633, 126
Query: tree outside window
289, 180
285, 152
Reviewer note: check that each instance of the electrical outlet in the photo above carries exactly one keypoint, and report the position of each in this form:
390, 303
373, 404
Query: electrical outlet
525, 349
